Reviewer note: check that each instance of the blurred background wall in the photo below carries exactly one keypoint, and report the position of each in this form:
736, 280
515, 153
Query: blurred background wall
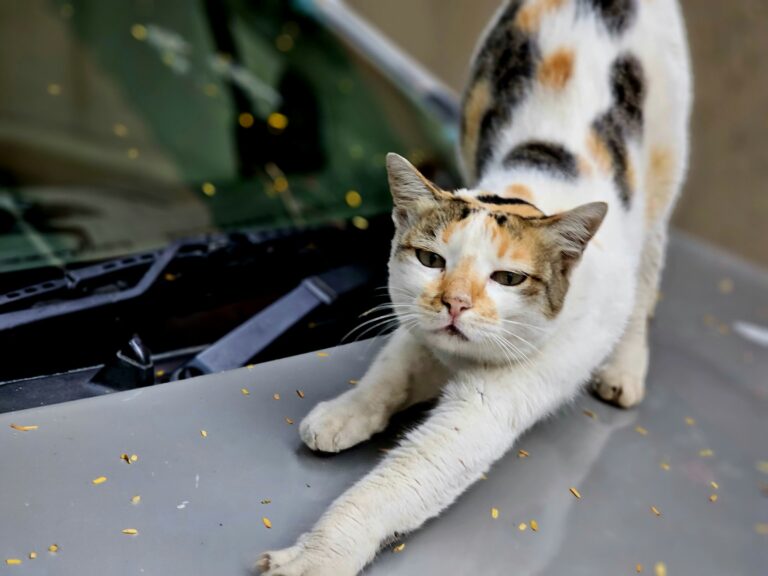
726, 197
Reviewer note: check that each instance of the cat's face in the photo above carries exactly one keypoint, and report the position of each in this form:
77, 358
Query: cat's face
481, 278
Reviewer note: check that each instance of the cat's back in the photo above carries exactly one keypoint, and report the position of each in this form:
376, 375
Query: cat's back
583, 78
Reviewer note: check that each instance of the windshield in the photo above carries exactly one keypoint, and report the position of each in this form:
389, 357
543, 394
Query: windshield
125, 125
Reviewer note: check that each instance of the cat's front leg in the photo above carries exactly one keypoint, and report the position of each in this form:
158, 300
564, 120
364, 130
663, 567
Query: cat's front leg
404, 373
476, 421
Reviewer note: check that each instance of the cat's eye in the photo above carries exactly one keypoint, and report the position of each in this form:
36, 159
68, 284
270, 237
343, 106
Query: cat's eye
508, 278
430, 259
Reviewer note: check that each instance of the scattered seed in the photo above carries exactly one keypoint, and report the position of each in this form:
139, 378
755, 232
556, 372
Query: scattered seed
288, 420
353, 382
204, 433
266, 501
130, 531
251, 366
655, 511
483, 477
161, 373
53, 548
276, 396
245, 391
639, 568
135, 499
323, 354
664, 466
300, 393
713, 498
99, 480
715, 485
660, 569
575, 492
13, 561
125, 457
23, 428
706, 453
642, 431
534, 525
267, 522
762, 466
523, 454
726, 286
522, 526
32, 555
399, 548
761, 529
494, 513
690, 421
590, 414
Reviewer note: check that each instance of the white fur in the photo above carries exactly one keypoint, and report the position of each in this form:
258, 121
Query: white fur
486, 402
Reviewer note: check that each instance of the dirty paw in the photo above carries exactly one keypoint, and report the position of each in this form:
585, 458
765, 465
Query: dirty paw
340, 424
619, 388
300, 561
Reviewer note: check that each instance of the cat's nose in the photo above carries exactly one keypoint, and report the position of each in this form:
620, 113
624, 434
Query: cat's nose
456, 304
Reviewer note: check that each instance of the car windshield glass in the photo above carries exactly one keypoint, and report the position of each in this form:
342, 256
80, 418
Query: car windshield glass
125, 125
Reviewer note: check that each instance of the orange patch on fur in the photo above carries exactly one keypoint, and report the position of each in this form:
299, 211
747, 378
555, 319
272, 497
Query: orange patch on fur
659, 184
477, 102
530, 16
599, 153
518, 191
556, 69
631, 176
585, 168
463, 281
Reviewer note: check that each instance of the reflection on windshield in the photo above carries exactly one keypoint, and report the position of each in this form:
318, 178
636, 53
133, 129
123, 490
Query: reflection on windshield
124, 125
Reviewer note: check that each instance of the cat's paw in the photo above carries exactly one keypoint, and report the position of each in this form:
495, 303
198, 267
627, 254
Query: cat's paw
340, 424
303, 561
619, 387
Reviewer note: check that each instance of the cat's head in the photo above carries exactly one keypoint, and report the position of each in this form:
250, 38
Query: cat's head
480, 276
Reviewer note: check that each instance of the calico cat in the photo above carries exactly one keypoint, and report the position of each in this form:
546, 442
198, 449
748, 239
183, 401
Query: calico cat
542, 273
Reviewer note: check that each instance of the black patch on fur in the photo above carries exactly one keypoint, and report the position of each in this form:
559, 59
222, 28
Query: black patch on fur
501, 219
465, 212
617, 15
545, 156
499, 200
508, 59
624, 119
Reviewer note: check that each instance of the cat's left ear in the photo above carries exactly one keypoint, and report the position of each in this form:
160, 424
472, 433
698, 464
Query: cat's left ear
411, 191
574, 229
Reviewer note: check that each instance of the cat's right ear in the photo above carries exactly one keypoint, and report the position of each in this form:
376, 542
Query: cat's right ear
411, 191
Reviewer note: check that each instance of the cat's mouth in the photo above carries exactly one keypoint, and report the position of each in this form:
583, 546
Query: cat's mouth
452, 330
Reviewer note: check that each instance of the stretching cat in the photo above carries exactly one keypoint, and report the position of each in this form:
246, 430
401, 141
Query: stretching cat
512, 293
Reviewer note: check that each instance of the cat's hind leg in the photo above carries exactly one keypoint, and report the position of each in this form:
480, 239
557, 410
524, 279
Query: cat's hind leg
403, 374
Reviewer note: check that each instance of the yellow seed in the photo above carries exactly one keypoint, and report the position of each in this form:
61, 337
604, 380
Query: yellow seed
706, 453
360, 223
53, 548
664, 466
266, 501
99, 480
251, 366
761, 529
642, 431
245, 391
590, 414
353, 198
208, 189
170, 278
245, 120
399, 548
130, 531
280, 184
639, 568
133, 459
276, 396
120, 130
133, 153
713, 498
353, 382
125, 457
323, 354
660, 569
534, 525
54, 89
690, 421
277, 122
32, 555
714, 485
288, 420
267, 522
726, 286
135, 499
483, 477
284, 43
523, 454
24, 428
655, 511
575, 492
300, 393
494, 513
522, 526
139, 32
762, 466
13, 561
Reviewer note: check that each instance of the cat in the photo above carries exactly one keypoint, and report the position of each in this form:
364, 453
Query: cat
513, 293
